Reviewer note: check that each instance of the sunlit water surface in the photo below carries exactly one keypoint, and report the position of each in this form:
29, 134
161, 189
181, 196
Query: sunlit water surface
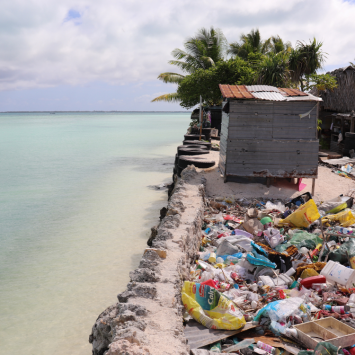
75, 214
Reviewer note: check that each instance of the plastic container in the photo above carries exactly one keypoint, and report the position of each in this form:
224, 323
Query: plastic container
337, 273
212, 258
309, 281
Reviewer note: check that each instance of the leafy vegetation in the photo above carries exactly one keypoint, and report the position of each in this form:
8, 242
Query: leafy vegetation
205, 82
203, 51
321, 82
207, 60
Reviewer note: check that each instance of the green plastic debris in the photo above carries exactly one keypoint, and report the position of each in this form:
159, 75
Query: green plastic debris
299, 239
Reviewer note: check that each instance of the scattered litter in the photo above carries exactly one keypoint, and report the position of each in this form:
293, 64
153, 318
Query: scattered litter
274, 276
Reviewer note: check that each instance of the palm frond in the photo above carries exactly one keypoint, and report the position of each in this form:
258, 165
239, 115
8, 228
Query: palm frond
171, 77
186, 67
178, 53
173, 97
274, 70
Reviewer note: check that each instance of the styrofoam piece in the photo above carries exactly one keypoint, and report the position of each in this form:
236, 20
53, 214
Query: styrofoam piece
337, 273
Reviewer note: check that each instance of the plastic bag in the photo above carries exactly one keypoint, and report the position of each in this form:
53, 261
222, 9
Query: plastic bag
279, 311
211, 308
259, 257
308, 273
307, 243
298, 240
241, 241
345, 218
272, 206
323, 348
253, 226
333, 206
341, 254
273, 237
304, 216
226, 248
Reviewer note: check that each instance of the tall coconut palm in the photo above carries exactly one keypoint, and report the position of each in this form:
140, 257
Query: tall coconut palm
249, 43
305, 59
201, 52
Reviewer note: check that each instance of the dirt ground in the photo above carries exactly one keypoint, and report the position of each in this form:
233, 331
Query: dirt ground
328, 185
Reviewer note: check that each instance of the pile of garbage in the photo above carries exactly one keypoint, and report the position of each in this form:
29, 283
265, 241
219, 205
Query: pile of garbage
285, 269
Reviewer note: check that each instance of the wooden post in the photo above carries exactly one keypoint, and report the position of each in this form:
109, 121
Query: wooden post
313, 186
201, 116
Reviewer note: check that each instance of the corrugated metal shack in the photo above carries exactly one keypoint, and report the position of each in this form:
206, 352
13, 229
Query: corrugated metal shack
268, 132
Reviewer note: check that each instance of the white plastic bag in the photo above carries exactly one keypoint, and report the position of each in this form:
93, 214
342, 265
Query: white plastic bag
273, 237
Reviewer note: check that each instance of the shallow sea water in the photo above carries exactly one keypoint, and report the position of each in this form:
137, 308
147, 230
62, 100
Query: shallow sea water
75, 214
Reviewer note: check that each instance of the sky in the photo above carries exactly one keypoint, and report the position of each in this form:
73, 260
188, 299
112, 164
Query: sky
106, 55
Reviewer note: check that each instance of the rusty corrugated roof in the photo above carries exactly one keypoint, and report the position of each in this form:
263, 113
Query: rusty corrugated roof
293, 92
263, 92
226, 91
235, 92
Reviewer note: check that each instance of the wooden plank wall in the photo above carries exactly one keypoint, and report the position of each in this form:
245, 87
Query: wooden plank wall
223, 140
268, 138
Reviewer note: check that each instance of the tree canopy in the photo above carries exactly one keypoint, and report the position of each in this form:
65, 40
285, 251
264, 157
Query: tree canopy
203, 51
205, 82
204, 64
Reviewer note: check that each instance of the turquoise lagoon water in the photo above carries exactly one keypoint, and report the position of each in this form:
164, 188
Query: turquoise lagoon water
75, 214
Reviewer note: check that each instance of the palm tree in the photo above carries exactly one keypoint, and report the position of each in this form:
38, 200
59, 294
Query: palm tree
201, 52
277, 45
274, 71
250, 43
305, 59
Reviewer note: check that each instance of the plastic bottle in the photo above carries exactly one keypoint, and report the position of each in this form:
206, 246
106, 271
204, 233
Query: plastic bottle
316, 250
266, 347
336, 309
216, 348
291, 333
290, 272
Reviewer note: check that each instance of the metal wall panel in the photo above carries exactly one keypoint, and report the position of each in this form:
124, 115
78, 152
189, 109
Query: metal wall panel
271, 140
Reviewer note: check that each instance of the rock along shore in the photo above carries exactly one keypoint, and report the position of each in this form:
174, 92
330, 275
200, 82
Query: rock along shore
147, 319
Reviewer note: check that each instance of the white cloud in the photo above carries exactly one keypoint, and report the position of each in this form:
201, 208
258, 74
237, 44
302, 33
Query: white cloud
45, 43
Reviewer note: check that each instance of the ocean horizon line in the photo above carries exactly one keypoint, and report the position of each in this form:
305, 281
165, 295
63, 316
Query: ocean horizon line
94, 111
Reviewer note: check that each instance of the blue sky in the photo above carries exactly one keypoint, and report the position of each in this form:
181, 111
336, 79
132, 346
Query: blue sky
90, 55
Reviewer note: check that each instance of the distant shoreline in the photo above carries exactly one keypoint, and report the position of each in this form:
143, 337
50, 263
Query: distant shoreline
95, 111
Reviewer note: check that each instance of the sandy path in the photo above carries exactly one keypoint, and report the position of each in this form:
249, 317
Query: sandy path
328, 185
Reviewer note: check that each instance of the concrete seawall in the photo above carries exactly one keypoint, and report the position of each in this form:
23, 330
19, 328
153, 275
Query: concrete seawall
148, 316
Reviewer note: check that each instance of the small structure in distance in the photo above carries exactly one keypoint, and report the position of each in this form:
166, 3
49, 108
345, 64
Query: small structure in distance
268, 132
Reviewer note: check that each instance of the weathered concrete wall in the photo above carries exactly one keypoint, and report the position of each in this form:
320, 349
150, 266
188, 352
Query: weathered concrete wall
148, 317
